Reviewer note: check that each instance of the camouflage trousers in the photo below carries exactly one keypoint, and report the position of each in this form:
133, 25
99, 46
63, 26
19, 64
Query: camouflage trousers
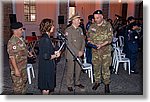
101, 63
19, 83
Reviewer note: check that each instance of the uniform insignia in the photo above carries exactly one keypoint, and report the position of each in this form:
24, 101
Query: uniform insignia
66, 33
21, 45
14, 47
93, 29
136, 37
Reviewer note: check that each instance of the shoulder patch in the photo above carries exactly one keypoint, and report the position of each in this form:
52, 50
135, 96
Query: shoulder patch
110, 29
14, 47
93, 29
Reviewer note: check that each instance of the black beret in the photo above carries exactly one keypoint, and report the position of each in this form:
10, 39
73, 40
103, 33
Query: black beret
98, 12
16, 25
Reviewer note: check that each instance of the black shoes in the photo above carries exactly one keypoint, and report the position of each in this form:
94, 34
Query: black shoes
96, 86
107, 90
80, 86
70, 89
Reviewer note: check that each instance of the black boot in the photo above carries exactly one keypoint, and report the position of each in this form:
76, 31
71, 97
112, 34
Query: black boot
96, 86
107, 89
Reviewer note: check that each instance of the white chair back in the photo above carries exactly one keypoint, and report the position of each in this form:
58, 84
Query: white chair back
87, 67
121, 42
118, 54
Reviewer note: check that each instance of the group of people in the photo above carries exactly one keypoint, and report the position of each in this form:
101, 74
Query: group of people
133, 36
133, 41
97, 42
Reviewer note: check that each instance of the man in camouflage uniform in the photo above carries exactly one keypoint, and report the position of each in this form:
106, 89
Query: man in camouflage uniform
100, 34
18, 53
77, 44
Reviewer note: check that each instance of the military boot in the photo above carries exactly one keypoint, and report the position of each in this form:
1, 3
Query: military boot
96, 86
107, 89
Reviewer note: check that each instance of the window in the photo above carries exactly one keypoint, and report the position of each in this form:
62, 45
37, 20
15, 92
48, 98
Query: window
71, 11
29, 11
72, 8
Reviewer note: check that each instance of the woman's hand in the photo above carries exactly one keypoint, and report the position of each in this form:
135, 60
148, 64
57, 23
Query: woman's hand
57, 53
80, 53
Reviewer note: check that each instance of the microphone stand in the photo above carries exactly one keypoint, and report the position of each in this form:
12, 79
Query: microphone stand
75, 58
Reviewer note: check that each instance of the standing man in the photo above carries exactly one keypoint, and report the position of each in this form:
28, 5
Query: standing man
18, 53
132, 44
100, 34
88, 45
77, 44
90, 21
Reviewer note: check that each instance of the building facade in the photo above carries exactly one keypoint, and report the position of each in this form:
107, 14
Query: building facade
31, 12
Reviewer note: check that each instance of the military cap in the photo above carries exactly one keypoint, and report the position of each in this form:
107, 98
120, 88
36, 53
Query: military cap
74, 17
130, 18
98, 12
131, 25
16, 25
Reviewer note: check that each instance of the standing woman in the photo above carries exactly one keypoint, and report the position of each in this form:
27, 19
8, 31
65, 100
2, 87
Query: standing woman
47, 55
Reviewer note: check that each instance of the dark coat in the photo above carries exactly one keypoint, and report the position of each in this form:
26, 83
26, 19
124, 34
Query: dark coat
46, 72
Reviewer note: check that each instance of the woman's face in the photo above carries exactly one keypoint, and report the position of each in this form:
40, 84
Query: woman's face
52, 29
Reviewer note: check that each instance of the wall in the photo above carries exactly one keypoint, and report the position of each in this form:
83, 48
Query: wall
115, 8
44, 10
131, 9
84, 9
7, 9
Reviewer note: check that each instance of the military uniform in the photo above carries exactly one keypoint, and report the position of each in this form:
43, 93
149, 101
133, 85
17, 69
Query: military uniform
132, 44
102, 57
76, 43
17, 48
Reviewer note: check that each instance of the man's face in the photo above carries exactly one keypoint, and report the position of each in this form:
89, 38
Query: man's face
19, 32
76, 22
98, 18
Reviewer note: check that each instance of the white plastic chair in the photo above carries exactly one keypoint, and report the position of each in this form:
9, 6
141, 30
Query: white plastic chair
114, 42
88, 68
115, 45
115, 55
29, 70
119, 59
121, 42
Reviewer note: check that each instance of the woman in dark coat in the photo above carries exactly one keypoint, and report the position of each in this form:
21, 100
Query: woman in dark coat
47, 55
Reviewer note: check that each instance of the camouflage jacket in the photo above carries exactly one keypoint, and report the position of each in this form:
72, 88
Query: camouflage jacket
100, 34
17, 48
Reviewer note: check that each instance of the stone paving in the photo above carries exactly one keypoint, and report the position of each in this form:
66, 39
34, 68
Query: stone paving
121, 84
